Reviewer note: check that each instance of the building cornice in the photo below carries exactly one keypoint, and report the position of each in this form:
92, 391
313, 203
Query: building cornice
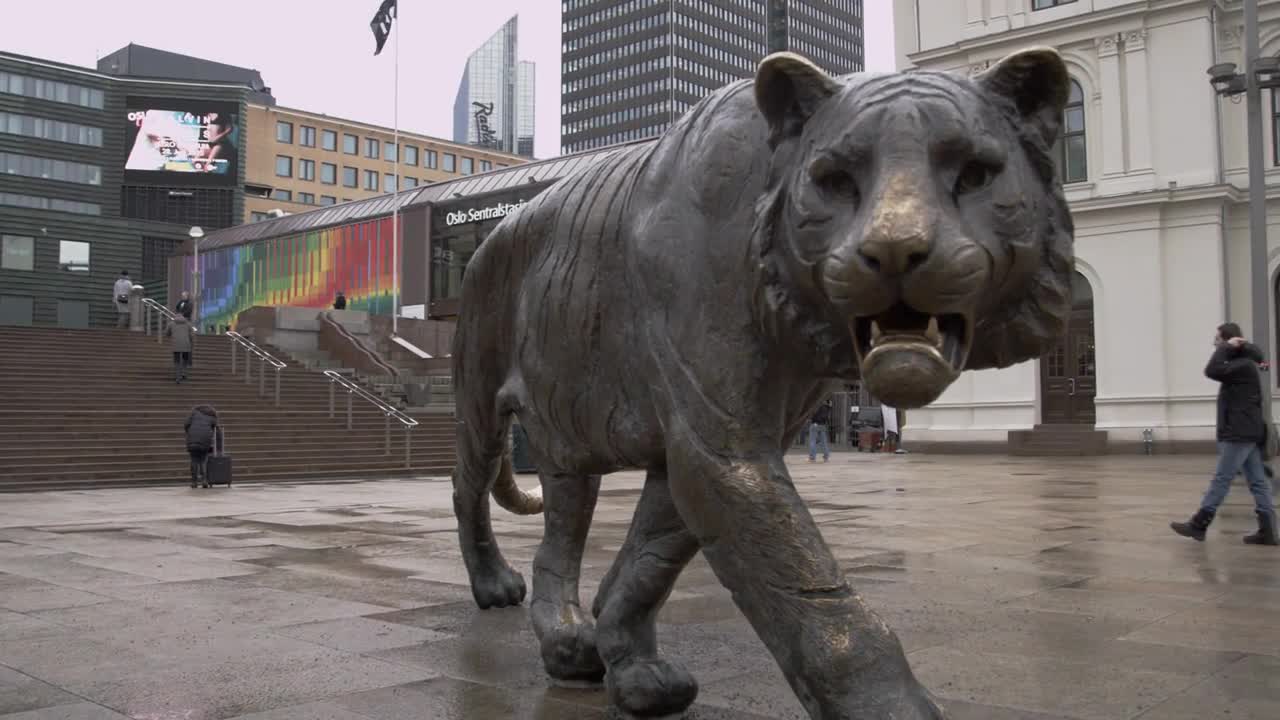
124, 79
1220, 193
1097, 18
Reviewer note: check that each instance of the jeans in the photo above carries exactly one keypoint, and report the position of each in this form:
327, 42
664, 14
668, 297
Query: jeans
1232, 458
198, 458
818, 437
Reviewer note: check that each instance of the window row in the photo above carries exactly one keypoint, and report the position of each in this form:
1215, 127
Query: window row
616, 74
52, 90
608, 11
36, 202
50, 169
608, 34
753, 47
619, 116
18, 252
719, 54
306, 170
47, 129
649, 131
808, 19
717, 78
629, 92
374, 148
652, 42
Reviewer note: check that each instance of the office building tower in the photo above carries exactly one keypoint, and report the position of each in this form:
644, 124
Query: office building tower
629, 69
494, 106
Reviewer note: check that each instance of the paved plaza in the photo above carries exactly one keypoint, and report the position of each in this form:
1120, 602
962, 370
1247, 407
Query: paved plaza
1022, 588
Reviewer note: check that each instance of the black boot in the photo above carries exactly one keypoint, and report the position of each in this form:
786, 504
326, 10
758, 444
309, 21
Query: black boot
1266, 534
1196, 526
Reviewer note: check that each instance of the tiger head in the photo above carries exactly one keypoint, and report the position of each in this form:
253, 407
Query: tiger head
920, 214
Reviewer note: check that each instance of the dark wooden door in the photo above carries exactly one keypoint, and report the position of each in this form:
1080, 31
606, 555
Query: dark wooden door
1068, 374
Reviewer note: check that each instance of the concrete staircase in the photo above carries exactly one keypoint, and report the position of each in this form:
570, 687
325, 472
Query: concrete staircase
94, 408
1058, 441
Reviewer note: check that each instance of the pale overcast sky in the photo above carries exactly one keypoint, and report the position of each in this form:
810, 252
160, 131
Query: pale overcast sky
318, 56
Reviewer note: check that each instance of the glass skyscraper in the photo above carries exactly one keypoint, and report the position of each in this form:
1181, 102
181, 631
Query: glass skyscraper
494, 105
631, 67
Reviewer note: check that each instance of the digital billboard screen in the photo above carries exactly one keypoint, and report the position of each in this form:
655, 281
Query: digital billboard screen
182, 142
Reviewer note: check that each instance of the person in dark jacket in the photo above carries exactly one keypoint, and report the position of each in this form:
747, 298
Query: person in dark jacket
1241, 433
184, 306
181, 332
201, 429
340, 302
818, 429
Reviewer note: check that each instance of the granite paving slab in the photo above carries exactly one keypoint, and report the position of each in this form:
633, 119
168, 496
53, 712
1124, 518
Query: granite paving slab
1022, 589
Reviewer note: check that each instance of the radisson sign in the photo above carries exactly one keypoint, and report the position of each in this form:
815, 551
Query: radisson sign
501, 210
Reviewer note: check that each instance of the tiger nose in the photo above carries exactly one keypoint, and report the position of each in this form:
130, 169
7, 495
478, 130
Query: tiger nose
894, 256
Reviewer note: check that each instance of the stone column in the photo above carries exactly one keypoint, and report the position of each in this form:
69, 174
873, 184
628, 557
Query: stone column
1137, 94
135, 308
1112, 105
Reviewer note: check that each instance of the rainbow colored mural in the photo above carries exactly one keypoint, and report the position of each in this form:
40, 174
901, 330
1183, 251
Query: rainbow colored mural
304, 270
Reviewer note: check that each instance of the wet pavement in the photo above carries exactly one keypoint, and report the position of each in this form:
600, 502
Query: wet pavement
1022, 588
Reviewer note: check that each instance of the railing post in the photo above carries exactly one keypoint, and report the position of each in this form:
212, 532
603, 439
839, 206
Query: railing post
262, 378
408, 456
248, 367
277, 387
332, 389
233, 357
349, 394
387, 432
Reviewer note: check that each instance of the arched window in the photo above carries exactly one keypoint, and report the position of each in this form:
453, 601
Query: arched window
1071, 152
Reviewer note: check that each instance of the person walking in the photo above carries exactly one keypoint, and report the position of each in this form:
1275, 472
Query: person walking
120, 296
180, 331
340, 302
201, 432
818, 429
1241, 431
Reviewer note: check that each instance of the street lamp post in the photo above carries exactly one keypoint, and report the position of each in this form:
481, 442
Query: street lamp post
1259, 73
196, 232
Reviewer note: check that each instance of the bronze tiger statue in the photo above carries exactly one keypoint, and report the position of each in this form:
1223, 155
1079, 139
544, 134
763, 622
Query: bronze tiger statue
682, 307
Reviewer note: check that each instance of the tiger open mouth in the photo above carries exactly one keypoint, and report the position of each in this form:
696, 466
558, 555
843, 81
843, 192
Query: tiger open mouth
947, 336
908, 357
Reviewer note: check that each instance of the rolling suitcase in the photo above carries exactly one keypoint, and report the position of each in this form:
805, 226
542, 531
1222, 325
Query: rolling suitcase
217, 469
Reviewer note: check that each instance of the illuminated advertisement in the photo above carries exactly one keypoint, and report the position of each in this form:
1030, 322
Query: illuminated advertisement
179, 142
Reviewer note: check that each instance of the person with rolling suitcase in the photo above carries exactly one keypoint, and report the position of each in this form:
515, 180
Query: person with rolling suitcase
218, 466
201, 431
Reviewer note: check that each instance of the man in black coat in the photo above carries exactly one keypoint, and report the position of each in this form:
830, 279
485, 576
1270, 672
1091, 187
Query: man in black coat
1241, 433
201, 431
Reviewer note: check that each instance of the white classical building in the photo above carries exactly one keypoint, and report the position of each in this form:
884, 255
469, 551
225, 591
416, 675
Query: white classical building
1155, 169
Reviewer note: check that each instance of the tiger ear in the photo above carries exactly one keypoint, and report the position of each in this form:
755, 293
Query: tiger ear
789, 89
1038, 84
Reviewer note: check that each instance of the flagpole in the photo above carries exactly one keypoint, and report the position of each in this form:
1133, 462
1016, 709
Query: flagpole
395, 202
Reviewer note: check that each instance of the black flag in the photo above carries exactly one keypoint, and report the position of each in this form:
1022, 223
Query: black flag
381, 23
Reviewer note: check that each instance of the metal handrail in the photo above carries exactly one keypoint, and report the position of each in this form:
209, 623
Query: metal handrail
388, 411
161, 314
264, 357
